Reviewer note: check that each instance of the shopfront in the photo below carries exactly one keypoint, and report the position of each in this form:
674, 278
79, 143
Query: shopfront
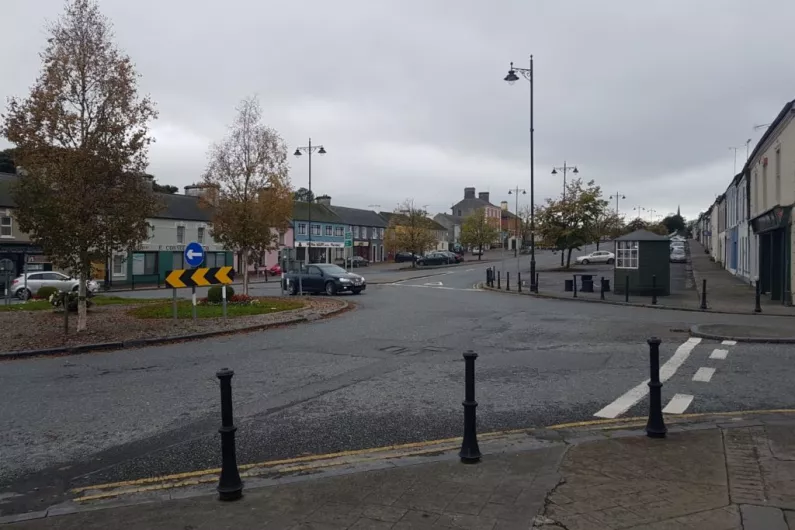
774, 234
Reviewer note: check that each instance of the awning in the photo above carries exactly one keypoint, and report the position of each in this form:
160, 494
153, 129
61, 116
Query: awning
773, 219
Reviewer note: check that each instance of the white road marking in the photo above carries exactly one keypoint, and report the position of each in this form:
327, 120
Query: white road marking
434, 283
678, 404
704, 374
729, 342
433, 287
667, 370
469, 270
719, 354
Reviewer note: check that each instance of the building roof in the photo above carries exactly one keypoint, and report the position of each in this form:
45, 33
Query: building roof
388, 216
789, 107
320, 213
472, 204
452, 219
358, 217
642, 235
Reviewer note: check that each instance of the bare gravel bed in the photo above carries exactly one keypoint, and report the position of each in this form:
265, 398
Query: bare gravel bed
35, 330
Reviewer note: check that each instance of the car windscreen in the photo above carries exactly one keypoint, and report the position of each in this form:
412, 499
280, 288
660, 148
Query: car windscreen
331, 269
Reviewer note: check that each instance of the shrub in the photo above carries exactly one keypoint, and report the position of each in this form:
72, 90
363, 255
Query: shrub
59, 298
45, 292
214, 294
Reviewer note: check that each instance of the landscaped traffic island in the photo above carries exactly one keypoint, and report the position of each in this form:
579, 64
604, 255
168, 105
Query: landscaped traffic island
115, 322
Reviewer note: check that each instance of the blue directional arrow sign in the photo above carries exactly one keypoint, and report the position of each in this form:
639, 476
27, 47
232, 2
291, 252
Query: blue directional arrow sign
194, 254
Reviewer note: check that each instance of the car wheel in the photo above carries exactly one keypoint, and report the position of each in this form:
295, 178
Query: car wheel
24, 294
331, 289
356, 291
585, 262
610, 261
294, 289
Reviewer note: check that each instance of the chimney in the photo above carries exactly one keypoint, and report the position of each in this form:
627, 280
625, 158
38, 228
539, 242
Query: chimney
483, 195
504, 206
469, 193
325, 200
205, 192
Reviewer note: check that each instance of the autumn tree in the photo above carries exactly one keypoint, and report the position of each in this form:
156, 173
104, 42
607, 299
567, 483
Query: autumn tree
82, 139
410, 230
571, 223
636, 224
249, 170
607, 225
477, 231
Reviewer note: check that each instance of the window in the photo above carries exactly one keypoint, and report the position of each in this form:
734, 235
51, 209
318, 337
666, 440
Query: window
177, 260
200, 235
626, 254
118, 265
301, 229
5, 226
382, 234
339, 253
339, 231
329, 230
778, 176
151, 231
364, 232
764, 187
356, 232
459, 213
281, 240
144, 263
315, 230
180, 234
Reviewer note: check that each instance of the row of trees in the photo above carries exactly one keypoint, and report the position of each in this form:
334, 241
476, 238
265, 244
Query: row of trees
81, 140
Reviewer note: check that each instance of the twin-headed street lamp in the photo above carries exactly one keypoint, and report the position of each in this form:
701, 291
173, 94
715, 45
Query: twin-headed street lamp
309, 149
511, 78
618, 196
565, 168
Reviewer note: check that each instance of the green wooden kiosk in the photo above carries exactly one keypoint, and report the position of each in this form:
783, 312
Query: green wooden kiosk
644, 258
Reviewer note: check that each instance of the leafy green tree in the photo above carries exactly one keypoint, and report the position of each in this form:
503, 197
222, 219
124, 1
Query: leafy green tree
636, 224
7, 164
674, 223
164, 188
303, 195
410, 230
571, 223
477, 231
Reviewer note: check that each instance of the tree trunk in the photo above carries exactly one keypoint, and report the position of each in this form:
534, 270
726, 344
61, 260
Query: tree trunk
481, 252
245, 272
568, 258
82, 316
597, 242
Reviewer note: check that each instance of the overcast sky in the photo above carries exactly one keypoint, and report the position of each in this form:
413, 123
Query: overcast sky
408, 97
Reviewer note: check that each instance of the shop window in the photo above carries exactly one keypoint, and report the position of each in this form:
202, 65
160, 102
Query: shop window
626, 254
118, 265
144, 263
329, 229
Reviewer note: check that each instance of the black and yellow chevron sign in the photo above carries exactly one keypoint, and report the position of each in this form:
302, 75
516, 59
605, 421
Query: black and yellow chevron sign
199, 277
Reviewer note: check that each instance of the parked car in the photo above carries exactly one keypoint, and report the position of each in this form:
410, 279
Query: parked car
678, 255
358, 261
476, 251
37, 280
400, 257
456, 258
323, 278
600, 256
435, 258
275, 270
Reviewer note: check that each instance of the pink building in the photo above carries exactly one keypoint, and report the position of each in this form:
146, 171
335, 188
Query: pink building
270, 258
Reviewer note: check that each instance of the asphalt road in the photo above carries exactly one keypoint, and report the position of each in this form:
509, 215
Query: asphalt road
389, 372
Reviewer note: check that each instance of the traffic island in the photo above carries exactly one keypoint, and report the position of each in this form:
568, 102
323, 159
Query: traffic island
34, 329
760, 334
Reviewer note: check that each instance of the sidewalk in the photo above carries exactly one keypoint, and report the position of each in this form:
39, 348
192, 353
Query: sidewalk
726, 292
733, 471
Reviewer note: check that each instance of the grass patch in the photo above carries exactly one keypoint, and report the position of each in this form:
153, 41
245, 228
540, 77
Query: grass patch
263, 307
118, 300
30, 305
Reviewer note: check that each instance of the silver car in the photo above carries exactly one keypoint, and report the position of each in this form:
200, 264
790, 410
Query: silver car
600, 256
37, 280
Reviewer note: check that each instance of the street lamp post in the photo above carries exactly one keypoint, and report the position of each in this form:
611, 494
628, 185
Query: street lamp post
617, 196
565, 168
309, 149
511, 78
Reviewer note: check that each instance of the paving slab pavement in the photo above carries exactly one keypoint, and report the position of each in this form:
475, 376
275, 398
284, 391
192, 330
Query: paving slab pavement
727, 472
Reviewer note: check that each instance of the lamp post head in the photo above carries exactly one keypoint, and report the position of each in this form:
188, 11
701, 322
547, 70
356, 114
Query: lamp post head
524, 192
321, 151
554, 171
510, 192
297, 152
511, 78
575, 170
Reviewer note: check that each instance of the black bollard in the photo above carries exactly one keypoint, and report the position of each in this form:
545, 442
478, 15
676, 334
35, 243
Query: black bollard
626, 289
488, 277
537, 278
653, 289
507, 281
655, 427
602, 289
574, 286
230, 487
498, 280
470, 452
758, 306
519, 281
704, 295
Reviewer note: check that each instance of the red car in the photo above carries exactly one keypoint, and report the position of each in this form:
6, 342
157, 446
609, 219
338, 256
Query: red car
275, 270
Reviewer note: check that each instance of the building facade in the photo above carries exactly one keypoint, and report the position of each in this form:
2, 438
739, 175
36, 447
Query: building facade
471, 204
771, 168
327, 233
367, 228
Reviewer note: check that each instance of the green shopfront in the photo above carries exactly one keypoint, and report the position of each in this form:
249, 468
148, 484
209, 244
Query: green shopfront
774, 234
148, 266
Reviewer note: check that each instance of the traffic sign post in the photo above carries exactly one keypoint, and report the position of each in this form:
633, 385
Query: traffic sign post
348, 245
202, 276
194, 254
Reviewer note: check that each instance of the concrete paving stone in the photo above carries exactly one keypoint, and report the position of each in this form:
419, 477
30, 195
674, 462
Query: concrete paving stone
510, 512
371, 524
505, 494
762, 518
339, 514
726, 518
789, 516
466, 522
467, 503
383, 513
420, 517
